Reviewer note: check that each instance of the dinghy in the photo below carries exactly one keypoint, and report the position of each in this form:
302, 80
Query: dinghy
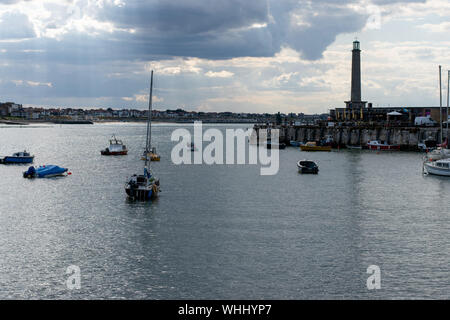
47, 171
307, 166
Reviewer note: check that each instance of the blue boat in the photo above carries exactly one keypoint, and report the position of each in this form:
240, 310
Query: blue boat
18, 157
44, 172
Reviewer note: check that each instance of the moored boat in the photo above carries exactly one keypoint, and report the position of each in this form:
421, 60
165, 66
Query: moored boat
294, 143
116, 148
47, 171
427, 145
439, 167
142, 187
438, 154
382, 145
152, 155
307, 166
313, 146
18, 157
145, 186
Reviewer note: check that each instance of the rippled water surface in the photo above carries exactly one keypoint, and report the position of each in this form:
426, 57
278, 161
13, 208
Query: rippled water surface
221, 231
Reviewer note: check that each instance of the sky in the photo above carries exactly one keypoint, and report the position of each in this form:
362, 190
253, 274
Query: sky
225, 55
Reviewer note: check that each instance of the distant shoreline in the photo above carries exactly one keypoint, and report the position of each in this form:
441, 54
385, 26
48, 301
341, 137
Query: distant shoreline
61, 121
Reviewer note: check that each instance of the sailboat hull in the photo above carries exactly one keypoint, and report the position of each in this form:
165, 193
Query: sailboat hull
142, 192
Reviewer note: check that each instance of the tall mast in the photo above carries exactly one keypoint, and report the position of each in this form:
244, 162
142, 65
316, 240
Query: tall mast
440, 101
448, 88
149, 122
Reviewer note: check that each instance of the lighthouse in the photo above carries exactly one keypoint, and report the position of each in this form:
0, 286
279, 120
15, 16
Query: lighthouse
355, 96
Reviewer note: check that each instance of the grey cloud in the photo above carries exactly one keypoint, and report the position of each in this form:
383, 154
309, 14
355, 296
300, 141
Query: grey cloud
221, 30
206, 29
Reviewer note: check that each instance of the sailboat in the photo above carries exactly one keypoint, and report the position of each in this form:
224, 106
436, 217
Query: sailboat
144, 186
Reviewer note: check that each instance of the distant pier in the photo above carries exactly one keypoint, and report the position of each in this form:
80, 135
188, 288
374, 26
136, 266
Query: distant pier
407, 137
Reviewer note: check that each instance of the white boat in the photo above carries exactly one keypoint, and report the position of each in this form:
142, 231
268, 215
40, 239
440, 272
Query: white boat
438, 154
116, 148
439, 167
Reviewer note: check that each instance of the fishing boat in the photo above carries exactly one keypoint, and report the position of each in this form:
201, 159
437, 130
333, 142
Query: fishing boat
47, 171
307, 166
152, 155
18, 157
439, 167
116, 148
144, 186
313, 146
382, 145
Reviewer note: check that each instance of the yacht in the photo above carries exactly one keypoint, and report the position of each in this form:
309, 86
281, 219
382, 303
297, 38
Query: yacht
144, 186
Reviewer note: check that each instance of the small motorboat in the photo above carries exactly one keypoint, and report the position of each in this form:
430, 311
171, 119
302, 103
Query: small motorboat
313, 146
307, 166
116, 148
294, 143
382, 145
47, 171
439, 167
152, 155
18, 157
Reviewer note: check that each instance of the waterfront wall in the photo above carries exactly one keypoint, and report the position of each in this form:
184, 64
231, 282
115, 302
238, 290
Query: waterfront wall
406, 137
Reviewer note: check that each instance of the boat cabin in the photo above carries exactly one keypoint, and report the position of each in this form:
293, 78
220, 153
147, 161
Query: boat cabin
444, 164
21, 154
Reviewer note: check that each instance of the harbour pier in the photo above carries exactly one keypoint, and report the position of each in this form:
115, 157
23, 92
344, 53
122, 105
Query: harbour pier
407, 137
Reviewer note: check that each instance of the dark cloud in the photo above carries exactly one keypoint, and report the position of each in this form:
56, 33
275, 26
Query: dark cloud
225, 29
202, 28
187, 16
